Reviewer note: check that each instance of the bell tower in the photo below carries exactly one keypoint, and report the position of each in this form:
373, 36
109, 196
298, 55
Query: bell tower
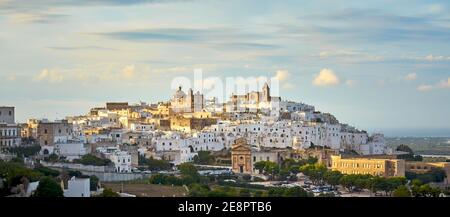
266, 93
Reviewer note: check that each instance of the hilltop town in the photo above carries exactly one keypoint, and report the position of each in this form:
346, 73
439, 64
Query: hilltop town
243, 137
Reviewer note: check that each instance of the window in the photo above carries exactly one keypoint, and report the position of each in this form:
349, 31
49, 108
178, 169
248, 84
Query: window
254, 158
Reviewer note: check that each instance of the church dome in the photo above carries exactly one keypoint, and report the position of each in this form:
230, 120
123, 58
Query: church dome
179, 94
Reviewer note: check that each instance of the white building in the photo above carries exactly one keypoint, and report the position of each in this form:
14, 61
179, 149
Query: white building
122, 161
78, 187
71, 150
9, 135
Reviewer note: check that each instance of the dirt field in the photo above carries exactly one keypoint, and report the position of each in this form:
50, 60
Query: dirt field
148, 190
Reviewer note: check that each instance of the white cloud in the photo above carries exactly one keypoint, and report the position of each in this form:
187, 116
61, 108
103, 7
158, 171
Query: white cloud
349, 55
51, 76
411, 77
289, 86
350, 82
11, 77
443, 84
435, 8
424, 88
282, 75
436, 58
128, 72
326, 77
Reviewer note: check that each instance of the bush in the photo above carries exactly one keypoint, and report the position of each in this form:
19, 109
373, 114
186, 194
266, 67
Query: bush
107, 192
154, 164
93, 160
244, 192
94, 181
402, 191
25, 151
288, 192
204, 158
48, 188
198, 190
47, 171
161, 179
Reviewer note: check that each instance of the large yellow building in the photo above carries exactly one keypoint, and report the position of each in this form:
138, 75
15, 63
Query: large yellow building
424, 167
370, 166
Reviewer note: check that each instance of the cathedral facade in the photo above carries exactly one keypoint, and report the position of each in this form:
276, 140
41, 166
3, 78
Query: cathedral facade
189, 102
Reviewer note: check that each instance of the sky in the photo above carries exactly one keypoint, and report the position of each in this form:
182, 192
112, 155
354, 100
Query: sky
383, 66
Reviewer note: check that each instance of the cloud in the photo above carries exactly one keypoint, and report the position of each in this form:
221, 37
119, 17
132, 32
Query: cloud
288, 85
248, 45
326, 77
282, 75
349, 55
51, 76
35, 17
128, 72
11, 77
63, 48
443, 84
42, 11
42, 4
350, 82
424, 88
368, 25
411, 77
436, 58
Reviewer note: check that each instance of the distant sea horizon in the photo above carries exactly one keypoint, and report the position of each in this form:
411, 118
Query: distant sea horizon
427, 132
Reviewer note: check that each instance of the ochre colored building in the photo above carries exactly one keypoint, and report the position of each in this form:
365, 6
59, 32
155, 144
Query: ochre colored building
371, 166
241, 154
423, 167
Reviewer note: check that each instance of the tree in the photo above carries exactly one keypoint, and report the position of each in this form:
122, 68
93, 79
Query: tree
198, 190
425, 190
107, 192
315, 172
260, 166
75, 173
295, 192
333, 177
204, 158
13, 173
52, 158
48, 188
47, 171
244, 192
258, 194
348, 182
90, 159
188, 169
401, 191
410, 156
154, 164
94, 181
25, 151
268, 168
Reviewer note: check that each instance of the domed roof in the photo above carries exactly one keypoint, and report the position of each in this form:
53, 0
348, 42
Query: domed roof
179, 94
